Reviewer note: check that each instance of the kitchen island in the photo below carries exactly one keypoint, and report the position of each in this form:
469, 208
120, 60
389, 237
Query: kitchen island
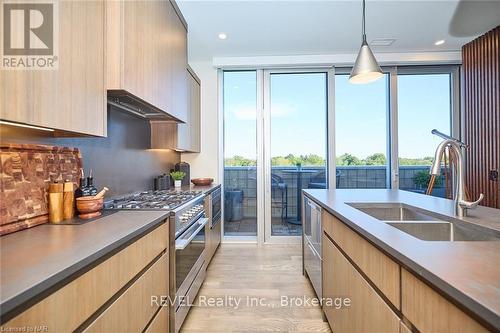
462, 276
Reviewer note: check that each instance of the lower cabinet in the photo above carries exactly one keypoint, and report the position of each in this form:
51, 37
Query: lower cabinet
366, 310
114, 296
132, 311
429, 312
160, 322
352, 266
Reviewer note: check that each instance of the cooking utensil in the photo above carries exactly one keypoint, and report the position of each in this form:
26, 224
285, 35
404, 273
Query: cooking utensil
89, 207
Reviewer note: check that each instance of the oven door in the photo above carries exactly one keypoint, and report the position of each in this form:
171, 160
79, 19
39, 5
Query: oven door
189, 255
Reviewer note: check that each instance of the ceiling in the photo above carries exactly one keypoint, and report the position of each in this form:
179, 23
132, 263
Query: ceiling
262, 28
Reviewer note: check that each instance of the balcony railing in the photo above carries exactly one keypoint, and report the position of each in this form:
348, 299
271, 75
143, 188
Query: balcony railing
242, 181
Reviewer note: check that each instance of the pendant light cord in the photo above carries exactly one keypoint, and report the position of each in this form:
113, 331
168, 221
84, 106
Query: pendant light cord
363, 28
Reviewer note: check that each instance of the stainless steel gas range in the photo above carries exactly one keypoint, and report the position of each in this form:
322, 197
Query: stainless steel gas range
188, 246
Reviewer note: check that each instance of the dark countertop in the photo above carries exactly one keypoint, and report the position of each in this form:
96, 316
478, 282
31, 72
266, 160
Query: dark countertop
36, 260
467, 273
206, 189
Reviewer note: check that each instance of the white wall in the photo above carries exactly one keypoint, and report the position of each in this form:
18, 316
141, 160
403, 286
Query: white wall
206, 163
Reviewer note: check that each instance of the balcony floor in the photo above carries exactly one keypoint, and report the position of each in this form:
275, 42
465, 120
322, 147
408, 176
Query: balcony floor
248, 227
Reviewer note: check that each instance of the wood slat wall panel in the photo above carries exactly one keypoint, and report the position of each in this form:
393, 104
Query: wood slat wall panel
481, 94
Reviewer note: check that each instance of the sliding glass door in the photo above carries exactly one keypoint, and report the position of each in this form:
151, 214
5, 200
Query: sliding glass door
296, 141
240, 153
275, 145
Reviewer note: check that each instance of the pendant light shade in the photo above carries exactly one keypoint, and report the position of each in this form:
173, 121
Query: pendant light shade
366, 68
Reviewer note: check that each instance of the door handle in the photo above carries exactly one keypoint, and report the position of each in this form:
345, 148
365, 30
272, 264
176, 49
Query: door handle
181, 244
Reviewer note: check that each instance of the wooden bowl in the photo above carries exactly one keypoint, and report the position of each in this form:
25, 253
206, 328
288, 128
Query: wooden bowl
89, 208
202, 181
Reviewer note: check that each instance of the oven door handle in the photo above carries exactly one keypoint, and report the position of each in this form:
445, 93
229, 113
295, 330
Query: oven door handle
181, 243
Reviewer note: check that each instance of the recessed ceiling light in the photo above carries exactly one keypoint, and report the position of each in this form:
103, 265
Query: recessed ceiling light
439, 42
222, 35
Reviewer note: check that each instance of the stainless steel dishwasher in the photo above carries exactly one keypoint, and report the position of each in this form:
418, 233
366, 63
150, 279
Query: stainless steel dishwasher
312, 244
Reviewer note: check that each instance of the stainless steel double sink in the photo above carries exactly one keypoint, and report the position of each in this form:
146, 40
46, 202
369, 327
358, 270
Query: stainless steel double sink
426, 225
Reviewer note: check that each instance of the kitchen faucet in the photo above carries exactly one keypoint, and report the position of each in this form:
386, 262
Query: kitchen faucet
461, 204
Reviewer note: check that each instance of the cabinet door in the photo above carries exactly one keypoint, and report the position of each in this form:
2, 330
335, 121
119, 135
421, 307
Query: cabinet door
195, 111
178, 37
189, 133
73, 97
141, 34
132, 311
367, 311
430, 312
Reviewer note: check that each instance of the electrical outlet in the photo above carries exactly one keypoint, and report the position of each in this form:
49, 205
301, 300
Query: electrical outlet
493, 175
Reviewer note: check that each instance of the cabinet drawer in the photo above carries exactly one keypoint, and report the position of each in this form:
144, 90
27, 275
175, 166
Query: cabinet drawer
368, 312
160, 322
132, 311
378, 267
430, 312
87, 293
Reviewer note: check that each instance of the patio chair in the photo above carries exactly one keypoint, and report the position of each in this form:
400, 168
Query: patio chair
279, 185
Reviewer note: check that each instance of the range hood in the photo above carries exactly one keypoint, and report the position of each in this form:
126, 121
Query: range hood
127, 102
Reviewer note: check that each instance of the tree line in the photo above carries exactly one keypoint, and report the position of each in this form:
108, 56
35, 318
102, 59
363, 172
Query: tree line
316, 160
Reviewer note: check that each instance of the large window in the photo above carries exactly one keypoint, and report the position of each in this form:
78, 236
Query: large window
380, 143
424, 104
240, 153
361, 120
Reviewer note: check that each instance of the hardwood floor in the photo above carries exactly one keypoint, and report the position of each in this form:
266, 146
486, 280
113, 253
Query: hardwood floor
252, 274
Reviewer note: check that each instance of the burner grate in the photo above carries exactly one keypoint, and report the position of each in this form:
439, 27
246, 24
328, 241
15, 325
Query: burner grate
157, 200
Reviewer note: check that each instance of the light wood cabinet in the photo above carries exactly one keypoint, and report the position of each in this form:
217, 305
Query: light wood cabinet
160, 322
430, 312
73, 97
367, 311
82, 297
132, 311
379, 268
377, 285
188, 136
403, 328
147, 54
181, 137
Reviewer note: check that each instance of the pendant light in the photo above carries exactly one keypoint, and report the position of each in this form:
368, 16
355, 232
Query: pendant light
366, 68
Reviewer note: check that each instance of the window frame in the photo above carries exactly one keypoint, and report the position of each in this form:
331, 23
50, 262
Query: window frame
392, 112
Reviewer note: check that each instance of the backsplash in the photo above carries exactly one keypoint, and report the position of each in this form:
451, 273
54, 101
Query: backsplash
122, 161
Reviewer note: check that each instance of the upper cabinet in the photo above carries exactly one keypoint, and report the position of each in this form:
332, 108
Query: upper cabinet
72, 96
147, 54
189, 133
181, 137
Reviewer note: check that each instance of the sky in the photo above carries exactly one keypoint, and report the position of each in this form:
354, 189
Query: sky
298, 106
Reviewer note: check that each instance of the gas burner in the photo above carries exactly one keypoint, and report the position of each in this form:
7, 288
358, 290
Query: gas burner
153, 200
